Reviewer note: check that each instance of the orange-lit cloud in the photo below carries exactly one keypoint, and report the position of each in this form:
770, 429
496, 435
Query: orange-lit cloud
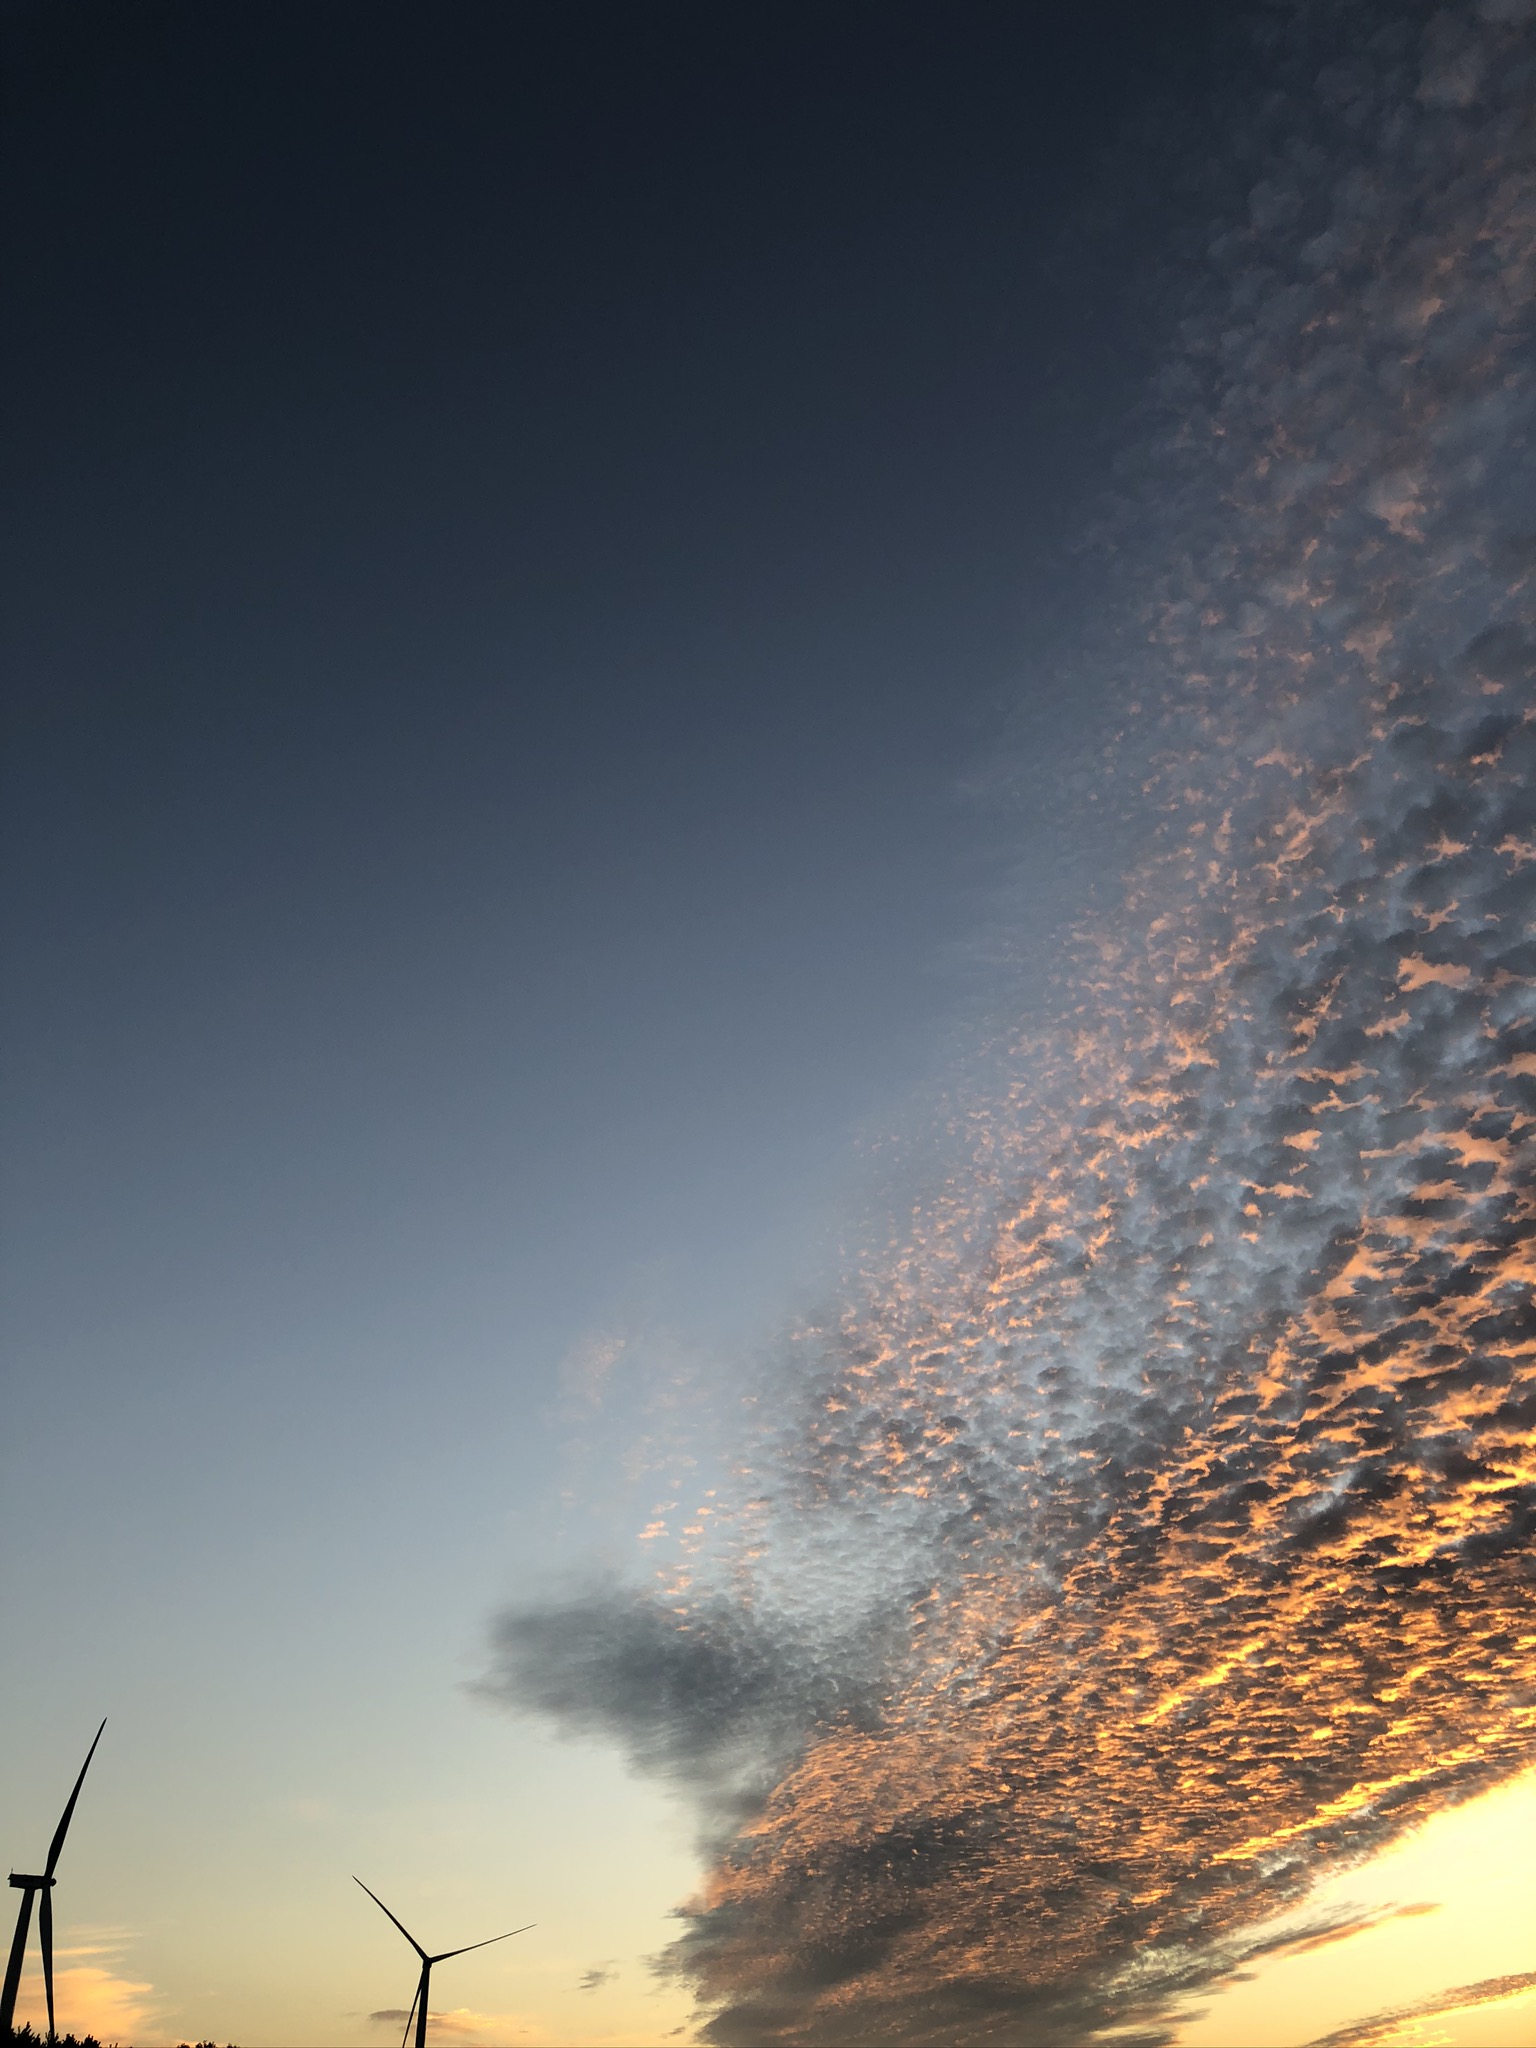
90, 1997
1445, 1905
1393, 2029
1151, 1532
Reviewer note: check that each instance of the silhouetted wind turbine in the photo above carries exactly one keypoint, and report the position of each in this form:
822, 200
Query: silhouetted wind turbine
418, 2011
27, 1886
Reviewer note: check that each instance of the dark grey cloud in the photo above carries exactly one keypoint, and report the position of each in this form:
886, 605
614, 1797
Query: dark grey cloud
1150, 1526
716, 1696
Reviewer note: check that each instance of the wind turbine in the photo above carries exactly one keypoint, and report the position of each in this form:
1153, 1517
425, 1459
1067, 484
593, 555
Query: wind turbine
27, 1886
418, 2011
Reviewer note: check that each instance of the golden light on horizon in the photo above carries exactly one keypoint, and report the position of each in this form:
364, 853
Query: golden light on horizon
1445, 1908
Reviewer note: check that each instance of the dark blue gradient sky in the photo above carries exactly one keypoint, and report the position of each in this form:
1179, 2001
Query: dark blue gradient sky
520, 520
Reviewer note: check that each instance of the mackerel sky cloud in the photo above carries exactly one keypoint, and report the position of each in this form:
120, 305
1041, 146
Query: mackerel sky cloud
1149, 1529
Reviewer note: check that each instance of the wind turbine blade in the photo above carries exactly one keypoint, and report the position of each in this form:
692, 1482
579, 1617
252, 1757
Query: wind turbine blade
449, 1954
415, 1944
410, 2015
63, 1827
45, 1939
13, 1967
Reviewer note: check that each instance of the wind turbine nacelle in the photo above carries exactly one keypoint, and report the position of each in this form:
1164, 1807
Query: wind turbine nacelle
35, 1884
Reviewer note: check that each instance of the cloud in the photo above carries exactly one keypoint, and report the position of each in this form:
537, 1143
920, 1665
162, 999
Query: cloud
460, 2023
91, 1999
717, 1697
1149, 1528
1309, 1940
595, 1978
1379, 2030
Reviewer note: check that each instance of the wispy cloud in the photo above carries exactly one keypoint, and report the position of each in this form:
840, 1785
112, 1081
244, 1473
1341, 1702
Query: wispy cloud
1151, 1527
1383, 2029
462, 2023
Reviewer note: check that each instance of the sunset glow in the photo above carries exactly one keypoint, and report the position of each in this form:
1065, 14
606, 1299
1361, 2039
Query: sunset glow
768, 1053
1149, 1537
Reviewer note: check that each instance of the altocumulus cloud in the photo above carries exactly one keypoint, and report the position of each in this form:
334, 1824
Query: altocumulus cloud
1151, 1528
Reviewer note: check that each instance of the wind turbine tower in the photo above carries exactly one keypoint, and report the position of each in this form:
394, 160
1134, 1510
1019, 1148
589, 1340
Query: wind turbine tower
29, 1887
418, 2011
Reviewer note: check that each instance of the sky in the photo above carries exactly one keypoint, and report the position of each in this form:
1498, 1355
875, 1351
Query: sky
768, 1038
